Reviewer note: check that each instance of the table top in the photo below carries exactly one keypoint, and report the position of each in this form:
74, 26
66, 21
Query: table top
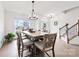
35, 34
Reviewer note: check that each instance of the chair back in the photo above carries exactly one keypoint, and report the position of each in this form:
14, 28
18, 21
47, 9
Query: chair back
49, 40
19, 38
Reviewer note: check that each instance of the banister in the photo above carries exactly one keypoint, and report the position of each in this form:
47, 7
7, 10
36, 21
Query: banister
63, 26
72, 26
67, 34
67, 31
66, 25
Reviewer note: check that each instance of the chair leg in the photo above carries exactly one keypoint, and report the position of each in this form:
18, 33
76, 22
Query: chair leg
19, 51
47, 54
29, 48
22, 54
34, 51
53, 52
22, 51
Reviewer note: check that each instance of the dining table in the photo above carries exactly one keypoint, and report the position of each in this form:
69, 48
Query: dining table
35, 34
34, 37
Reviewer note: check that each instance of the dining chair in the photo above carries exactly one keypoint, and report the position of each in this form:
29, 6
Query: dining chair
47, 44
23, 44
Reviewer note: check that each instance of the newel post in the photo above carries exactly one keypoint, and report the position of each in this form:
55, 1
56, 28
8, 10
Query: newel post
78, 27
67, 33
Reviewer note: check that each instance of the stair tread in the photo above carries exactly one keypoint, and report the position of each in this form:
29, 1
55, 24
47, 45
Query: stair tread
75, 40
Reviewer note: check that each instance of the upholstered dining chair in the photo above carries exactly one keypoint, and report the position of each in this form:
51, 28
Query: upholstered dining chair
47, 44
22, 44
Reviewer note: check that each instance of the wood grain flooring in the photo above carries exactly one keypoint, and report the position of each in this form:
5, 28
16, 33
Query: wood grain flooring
61, 49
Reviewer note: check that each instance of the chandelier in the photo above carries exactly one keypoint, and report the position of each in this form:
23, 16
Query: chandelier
33, 15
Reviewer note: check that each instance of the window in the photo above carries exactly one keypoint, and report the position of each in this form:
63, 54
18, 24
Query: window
26, 24
21, 24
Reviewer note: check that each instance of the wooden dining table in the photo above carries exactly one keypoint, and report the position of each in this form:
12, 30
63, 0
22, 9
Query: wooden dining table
34, 36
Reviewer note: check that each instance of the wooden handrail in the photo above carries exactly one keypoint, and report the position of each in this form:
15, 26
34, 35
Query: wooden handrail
68, 34
72, 26
67, 31
63, 26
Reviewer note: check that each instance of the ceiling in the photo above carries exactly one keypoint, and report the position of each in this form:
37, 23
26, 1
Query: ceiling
41, 7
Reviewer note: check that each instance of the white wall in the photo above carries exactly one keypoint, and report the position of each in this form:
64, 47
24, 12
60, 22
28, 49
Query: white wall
1, 25
71, 18
10, 18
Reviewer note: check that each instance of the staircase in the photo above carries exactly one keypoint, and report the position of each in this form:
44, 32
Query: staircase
70, 34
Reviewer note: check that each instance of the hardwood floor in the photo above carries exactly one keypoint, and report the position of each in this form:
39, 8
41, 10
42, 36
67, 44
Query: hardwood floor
9, 50
66, 50
61, 49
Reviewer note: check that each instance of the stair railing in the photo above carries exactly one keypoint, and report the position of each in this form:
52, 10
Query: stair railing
65, 31
75, 31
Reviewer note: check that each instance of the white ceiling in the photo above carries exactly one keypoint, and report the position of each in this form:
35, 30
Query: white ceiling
41, 7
